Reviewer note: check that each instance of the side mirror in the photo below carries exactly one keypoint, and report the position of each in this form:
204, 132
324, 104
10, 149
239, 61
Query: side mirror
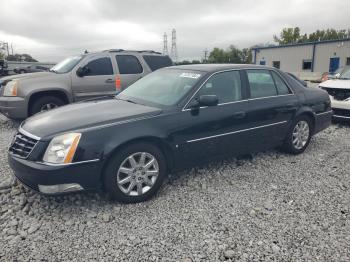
82, 71
305, 83
205, 100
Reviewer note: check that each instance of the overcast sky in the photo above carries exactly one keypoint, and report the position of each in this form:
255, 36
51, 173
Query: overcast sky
50, 30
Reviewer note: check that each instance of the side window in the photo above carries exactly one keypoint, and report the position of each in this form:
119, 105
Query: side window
226, 85
261, 83
280, 84
100, 66
155, 62
128, 64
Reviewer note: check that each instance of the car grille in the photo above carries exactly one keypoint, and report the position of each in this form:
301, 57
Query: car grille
337, 93
341, 112
22, 145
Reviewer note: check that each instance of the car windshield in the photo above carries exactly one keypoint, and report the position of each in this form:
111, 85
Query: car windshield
345, 74
66, 65
164, 87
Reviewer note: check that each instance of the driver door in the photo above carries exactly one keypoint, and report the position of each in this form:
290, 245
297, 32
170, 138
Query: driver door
209, 132
98, 81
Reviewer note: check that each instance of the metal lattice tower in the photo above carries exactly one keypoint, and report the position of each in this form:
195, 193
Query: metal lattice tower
165, 44
174, 54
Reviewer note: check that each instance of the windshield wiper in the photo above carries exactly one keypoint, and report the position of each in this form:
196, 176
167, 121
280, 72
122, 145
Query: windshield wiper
127, 100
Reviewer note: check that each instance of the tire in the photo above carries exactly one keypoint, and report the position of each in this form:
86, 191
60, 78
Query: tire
39, 103
114, 175
297, 148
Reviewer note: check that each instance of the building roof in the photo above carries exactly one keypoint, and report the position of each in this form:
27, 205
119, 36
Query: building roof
302, 44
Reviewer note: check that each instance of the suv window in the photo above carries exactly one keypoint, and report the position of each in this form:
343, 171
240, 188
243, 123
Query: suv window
261, 83
100, 66
128, 64
280, 84
226, 86
156, 62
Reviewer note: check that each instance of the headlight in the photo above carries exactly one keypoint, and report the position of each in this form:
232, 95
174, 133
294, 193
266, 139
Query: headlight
11, 88
62, 148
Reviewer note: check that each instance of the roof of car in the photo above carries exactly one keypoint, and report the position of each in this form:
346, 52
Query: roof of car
217, 67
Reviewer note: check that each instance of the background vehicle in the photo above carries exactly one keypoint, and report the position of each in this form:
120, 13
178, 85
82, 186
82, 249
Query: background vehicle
3, 68
339, 92
30, 69
76, 78
171, 119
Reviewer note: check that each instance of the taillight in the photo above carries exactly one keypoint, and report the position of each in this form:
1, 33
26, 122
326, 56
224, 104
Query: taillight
118, 83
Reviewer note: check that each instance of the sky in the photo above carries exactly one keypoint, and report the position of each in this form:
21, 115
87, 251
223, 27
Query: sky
51, 30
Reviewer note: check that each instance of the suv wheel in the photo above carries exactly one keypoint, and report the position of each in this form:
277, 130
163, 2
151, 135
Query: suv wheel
299, 135
45, 103
135, 173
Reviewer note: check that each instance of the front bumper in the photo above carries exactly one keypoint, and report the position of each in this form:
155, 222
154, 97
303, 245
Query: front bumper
13, 107
57, 179
341, 109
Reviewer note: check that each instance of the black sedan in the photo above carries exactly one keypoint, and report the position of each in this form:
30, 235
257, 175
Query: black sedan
171, 119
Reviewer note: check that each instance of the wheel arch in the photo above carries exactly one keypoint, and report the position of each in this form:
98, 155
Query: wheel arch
54, 92
156, 141
309, 113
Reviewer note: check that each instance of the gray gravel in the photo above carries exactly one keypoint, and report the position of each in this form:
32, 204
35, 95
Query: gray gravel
271, 207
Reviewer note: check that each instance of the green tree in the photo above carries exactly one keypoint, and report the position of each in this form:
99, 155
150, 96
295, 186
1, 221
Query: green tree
292, 35
289, 36
218, 55
196, 62
21, 57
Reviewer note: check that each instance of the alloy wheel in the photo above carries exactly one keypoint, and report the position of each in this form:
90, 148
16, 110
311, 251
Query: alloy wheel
137, 174
301, 134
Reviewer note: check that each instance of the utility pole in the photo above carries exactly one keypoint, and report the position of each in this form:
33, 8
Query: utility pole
174, 54
165, 44
205, 55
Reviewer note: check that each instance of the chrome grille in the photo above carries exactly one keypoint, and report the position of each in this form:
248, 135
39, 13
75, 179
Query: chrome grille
22, 145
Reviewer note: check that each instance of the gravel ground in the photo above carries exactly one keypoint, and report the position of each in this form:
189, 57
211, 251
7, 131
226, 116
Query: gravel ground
271, 207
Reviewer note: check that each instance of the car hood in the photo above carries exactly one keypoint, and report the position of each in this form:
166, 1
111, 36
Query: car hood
336, 83
87, 114
27, 76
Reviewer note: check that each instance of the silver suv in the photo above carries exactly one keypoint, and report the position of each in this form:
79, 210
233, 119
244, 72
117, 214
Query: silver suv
76, 78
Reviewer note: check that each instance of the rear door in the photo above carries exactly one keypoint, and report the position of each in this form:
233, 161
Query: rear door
272, 106
99, 81
129, 70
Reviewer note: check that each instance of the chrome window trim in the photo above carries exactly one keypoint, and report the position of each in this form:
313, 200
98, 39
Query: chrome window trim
323, 113
227, 70
344, 117
26, 133
234, 132
244, 100
68, 164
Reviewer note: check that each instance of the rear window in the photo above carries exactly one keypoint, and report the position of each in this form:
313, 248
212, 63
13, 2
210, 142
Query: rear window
128, 64
156, 62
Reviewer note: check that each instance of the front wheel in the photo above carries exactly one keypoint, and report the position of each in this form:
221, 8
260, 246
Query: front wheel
45, 103
298, 137
135, 173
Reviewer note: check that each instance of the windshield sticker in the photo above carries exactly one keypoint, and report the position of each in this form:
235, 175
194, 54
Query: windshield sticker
190, 75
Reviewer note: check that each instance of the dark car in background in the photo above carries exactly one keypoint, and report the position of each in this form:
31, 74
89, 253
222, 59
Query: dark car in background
171, 119
30, 69
76, 78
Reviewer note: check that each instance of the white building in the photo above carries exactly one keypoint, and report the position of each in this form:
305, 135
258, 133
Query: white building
307, 60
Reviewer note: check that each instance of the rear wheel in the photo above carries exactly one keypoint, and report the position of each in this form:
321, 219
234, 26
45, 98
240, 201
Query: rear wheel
299, 135
135, 173
45, 103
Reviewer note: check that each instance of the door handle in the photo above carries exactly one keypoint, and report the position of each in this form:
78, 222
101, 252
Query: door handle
110, 80
239, 115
